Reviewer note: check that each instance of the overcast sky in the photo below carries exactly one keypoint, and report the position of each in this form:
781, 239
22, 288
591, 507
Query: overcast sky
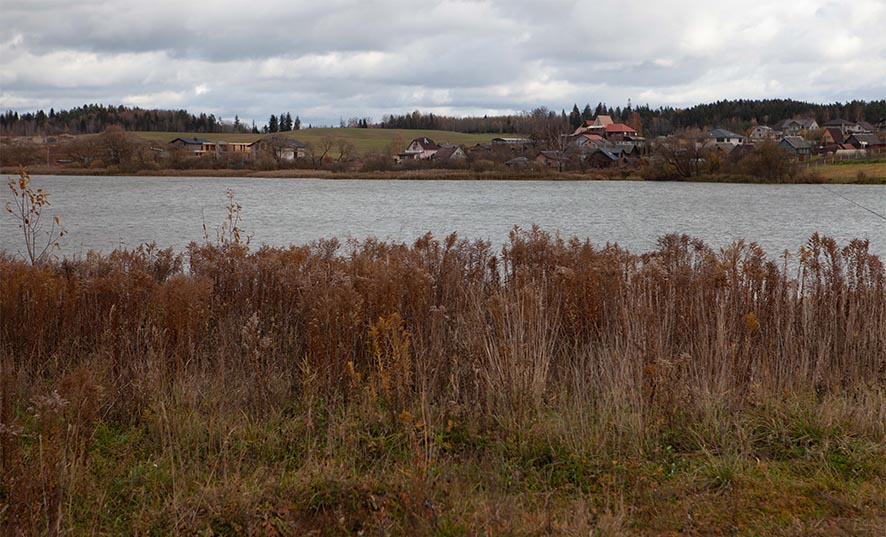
329, 59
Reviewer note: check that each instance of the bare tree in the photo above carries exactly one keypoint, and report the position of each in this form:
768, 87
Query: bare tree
685, 153
317, 152
346, 150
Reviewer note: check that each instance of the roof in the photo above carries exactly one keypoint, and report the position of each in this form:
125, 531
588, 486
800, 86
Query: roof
838, 123
517, 161
869, 139
835, 133
446, 152
610, 152
425, 143
511, 140
725, 147
191, 140
803, 122
807, 122
283, 141
593, 136
723, 133
866, 126
796, 142
619, 127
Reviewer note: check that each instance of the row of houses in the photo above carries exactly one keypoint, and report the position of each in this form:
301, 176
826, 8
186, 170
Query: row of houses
280, 146
793, 136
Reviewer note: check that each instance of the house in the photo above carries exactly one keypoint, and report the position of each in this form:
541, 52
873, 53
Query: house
760, 133
551, 159
282, 147
722, 136
519, 162
881, 125
865, 141
831, 137
741, 151
619, 131
598, 125
241, 149
796, 146
793, 127
479, 150
845, 127
600, 121
590, 141
723, 147
607, 157
512, 141
420, 149
450, 153
865, 127
197, 146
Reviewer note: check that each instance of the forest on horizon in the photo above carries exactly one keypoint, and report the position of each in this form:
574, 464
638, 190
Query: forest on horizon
732, 114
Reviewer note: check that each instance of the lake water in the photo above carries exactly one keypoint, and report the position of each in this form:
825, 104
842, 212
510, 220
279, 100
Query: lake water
102, 213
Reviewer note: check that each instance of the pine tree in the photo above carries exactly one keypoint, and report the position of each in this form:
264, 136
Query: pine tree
575, 117
296, 125
273, 124
587, 113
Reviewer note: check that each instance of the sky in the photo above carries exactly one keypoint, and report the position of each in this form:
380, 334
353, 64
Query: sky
332, 59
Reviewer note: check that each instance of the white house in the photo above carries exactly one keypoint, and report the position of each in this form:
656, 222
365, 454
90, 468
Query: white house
722, 136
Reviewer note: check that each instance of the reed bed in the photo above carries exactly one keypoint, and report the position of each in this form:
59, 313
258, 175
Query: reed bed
445, 387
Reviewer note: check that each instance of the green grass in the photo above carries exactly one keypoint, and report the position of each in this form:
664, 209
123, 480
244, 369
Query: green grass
364, 140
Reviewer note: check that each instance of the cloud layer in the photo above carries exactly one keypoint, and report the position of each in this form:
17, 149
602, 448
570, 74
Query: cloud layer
342, 58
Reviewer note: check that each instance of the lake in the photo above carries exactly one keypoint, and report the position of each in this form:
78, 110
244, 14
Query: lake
103, 213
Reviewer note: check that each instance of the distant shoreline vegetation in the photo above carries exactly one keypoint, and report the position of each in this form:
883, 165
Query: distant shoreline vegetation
865, 172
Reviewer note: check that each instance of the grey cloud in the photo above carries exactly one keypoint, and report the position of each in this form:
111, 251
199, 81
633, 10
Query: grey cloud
344, 58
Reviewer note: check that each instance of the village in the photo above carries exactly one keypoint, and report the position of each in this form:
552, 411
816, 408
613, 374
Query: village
600, 143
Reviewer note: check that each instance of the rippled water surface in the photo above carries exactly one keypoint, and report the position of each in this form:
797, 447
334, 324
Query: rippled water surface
105, 212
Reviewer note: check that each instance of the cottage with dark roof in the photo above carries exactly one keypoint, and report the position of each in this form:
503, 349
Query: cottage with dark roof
796, 146
831, 137
865, 141
280, 146
450, 153
607, 157
793, 127
197, 146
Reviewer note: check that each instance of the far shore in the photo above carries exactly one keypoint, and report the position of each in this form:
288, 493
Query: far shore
862, 173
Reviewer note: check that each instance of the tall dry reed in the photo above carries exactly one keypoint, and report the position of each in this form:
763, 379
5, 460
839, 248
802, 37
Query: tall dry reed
605, 349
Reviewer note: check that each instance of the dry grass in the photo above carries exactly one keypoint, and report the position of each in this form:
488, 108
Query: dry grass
869, 172
445, 388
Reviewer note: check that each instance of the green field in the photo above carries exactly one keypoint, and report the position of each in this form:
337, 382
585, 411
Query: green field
364, 140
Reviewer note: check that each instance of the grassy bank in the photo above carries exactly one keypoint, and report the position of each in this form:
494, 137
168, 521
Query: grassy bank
872, 174
445, 388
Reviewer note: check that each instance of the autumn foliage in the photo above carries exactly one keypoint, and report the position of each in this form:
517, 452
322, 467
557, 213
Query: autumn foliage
437, 342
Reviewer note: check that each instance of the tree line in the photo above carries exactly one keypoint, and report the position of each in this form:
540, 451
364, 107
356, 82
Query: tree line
737, 115
95, 118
